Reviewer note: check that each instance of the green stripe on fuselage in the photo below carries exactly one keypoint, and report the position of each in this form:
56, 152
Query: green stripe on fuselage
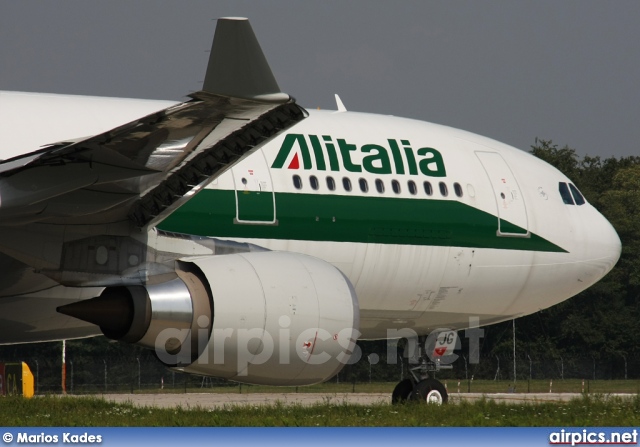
382, 220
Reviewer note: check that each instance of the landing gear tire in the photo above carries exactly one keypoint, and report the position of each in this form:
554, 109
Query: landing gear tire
401, 392
430, 391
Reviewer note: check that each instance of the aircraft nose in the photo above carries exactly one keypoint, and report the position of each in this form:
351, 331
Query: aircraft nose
603, 244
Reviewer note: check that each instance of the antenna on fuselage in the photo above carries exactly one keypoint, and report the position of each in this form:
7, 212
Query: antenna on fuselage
341, 107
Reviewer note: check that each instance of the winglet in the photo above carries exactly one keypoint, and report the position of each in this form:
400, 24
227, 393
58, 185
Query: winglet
237, 66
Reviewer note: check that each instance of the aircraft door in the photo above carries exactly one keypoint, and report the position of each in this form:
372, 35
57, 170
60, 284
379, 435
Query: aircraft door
512, 212
255, 199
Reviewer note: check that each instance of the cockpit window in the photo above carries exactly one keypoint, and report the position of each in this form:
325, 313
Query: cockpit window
577, 196
566, 195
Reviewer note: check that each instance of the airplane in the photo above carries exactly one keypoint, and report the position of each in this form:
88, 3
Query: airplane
241, 236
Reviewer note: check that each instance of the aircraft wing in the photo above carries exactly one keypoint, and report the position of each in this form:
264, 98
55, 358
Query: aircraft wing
143, 170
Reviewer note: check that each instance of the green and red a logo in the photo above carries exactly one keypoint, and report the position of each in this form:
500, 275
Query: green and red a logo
372, 158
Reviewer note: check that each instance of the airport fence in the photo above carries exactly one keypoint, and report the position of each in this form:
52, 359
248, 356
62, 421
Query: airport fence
142, 372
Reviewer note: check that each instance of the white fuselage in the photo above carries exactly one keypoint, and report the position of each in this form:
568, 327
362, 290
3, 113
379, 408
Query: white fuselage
425, 287
541, 251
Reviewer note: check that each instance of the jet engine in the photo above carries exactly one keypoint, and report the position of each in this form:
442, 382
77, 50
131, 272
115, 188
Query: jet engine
273, 318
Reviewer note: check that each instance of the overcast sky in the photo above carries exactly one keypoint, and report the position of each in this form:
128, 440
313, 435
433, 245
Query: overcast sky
510, 70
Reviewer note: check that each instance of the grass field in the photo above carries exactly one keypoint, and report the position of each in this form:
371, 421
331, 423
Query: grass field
476, 386
592, 410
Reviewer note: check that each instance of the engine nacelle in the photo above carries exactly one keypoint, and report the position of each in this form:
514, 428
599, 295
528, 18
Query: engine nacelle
273, 318
279, 319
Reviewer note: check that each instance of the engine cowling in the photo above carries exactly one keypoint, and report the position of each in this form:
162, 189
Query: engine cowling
279, 318
273, 318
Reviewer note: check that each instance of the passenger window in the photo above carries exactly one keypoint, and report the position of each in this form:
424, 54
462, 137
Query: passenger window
379, 185
412, 187
313, 181
443, 189
395, 185
297, 182
577, 195
458, 189
428, 190
346, 183
331, 184
565, 194
364, 186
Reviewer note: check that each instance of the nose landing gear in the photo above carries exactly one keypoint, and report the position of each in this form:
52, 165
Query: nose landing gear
402, 391
420, 387
431, 391
427, 390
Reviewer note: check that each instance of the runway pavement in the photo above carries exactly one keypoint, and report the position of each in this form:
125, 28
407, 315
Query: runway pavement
221, 400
